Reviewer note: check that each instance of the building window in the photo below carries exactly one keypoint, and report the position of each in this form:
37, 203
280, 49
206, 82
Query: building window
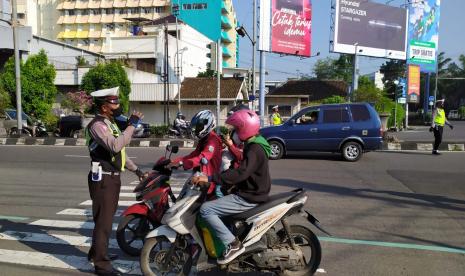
133, 11
158, 9
84, 12
199, 6
146, 10
196, 6
122, 11
95, 12
109, 11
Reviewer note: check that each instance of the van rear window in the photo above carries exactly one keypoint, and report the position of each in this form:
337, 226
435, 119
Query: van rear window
336, 115
360, 113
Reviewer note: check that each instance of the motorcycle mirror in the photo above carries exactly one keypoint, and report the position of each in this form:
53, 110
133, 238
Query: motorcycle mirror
175, 149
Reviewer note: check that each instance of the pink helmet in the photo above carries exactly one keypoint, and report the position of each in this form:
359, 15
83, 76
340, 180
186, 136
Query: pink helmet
245, 122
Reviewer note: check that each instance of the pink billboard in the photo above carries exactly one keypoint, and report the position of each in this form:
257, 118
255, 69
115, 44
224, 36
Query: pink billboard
291, 22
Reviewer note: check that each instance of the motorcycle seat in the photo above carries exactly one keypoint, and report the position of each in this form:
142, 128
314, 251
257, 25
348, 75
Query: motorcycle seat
273, 201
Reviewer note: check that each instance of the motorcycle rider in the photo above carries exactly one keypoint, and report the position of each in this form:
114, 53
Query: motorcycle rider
251, 182
180, 123
209, 146
233, 146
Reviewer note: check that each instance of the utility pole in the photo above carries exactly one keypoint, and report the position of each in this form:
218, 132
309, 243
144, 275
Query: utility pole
254, 40
218, 83
14, 25
262, 89
166, 116
176, 14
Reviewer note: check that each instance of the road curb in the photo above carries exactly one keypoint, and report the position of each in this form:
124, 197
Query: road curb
423, 146
51, 141
161, 143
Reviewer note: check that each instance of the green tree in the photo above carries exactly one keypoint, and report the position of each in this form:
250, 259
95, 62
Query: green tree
207, 74
392, 70
38, 90
4, 99
367, 91
334, 69
108, 75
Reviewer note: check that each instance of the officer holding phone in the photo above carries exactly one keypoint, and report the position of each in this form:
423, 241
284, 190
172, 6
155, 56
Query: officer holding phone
106, 145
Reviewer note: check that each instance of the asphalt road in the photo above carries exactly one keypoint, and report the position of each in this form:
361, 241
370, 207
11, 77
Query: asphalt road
391, 213
421, 133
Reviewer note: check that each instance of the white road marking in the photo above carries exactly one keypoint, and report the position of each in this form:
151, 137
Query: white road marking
83, 212
61, 261
67, 224
320, 270
131, 188
51, 238
127, 194
121, 203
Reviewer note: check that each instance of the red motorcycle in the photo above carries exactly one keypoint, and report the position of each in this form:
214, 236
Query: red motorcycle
154, 192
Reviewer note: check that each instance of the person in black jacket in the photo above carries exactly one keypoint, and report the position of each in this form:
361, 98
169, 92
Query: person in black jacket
251, 182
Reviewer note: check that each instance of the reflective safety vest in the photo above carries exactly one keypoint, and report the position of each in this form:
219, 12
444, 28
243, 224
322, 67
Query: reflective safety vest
276, 119
111, 162
440, 118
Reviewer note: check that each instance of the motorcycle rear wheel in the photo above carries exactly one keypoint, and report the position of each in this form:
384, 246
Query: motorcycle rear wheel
133, 228
303, 238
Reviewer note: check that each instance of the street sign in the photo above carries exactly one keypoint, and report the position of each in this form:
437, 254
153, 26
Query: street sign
431, 98
402, 100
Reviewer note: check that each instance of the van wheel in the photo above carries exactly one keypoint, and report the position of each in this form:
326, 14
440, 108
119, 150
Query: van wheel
351, 151
277, 150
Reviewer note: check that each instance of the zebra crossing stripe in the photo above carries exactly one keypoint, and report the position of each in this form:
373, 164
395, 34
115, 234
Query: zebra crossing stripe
83, 212
51, 238
174, 188
62, 261
121, 203
67, 224
127, 194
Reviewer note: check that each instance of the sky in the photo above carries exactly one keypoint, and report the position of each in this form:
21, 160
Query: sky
451, 39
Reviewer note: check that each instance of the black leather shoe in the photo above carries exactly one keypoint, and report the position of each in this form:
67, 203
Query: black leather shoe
112, 272
110, 257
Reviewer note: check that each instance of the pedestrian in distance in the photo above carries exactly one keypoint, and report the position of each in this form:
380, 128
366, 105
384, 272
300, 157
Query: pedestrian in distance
106, 144
275, 117
437, 125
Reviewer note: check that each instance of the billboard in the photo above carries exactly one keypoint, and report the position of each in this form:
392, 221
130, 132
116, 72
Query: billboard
378, 30
423, 36
285, 26
195, 14
413, 93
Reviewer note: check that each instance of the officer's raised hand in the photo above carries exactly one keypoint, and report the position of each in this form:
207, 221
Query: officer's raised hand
136, 118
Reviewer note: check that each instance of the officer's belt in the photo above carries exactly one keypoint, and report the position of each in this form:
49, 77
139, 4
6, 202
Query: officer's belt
110, 173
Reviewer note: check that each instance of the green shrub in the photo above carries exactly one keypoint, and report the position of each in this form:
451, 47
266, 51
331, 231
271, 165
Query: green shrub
50, 122
224, 130
461, 111
159, 131
334, 100
400, 116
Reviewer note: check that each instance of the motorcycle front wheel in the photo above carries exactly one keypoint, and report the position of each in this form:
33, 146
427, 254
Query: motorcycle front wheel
153, 258
306, 240
131, 232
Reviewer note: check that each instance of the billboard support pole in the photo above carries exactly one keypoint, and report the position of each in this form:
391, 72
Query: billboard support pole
355, 73
436, 78
262, 88
426, 100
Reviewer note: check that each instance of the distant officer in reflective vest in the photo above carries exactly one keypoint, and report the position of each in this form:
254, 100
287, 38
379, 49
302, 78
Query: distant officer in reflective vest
275, 117
437, 125
106, 144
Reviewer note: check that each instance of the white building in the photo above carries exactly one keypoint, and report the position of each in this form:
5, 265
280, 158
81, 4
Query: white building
377, 78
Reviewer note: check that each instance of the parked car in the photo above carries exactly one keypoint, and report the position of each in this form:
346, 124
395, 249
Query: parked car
72, 126
30, 126
349, 129
453, 115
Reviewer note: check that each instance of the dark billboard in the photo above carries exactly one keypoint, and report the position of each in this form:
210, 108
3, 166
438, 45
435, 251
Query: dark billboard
378, 30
